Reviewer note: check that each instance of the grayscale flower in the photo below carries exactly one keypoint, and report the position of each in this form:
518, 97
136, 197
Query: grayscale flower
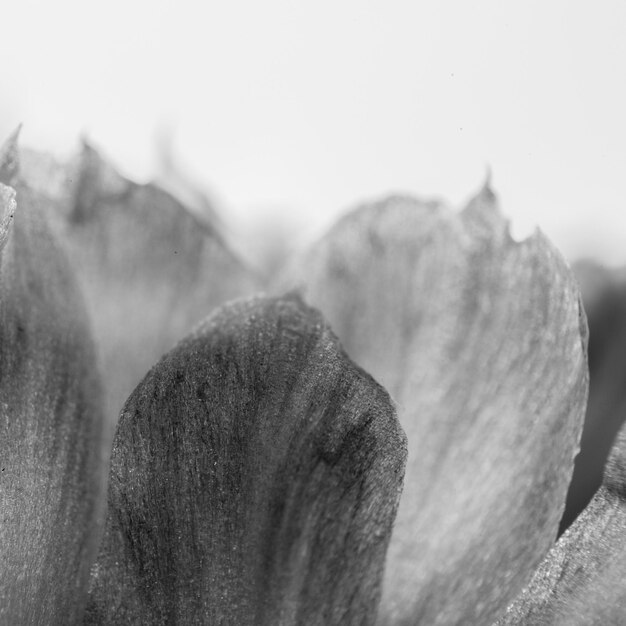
387, 437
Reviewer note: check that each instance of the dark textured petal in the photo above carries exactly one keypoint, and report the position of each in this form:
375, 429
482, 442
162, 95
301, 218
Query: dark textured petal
254, 480
51, 422
582, 579
604, 297
481, 341
149, 268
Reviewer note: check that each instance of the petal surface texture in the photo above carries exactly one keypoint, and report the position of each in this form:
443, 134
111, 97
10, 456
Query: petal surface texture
51, 424
149, 268
254, 480
481, 342
582, 579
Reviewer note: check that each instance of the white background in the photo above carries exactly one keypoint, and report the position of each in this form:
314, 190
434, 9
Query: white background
305, 108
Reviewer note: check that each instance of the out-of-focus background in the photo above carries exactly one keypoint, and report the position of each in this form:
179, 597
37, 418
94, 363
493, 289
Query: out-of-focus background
301, 109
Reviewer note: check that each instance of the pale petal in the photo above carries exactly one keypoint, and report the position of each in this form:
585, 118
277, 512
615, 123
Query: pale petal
9, 158
481, 341
582, 579
149, 268
254, 480
51, 423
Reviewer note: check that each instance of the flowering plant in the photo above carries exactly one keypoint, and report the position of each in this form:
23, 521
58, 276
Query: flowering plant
398, 454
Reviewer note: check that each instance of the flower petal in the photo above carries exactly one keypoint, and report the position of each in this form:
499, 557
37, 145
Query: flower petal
254, 480
604, 297
582, 579
149, 269
478, 339
9, 158
51, 423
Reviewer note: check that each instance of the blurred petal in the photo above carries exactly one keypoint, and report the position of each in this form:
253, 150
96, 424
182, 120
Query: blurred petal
177, 182
604, 297
481, 341
50, 178
51, 422
582, 579
9, 158
149, 268
254, 480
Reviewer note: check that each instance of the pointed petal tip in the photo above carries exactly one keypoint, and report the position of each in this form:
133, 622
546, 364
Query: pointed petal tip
615, 469
483, 208
90, 159
487, 186
10, 158
488, 174
85, 141
97, 179
88, 155
15, 135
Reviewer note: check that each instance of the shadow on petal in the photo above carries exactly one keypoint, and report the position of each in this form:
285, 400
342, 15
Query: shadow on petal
582, 579
254, 480
604, 297
51, 424
481, 342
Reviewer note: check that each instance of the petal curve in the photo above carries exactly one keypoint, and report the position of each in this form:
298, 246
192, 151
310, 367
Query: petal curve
254, 480
481, 341
604, 297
